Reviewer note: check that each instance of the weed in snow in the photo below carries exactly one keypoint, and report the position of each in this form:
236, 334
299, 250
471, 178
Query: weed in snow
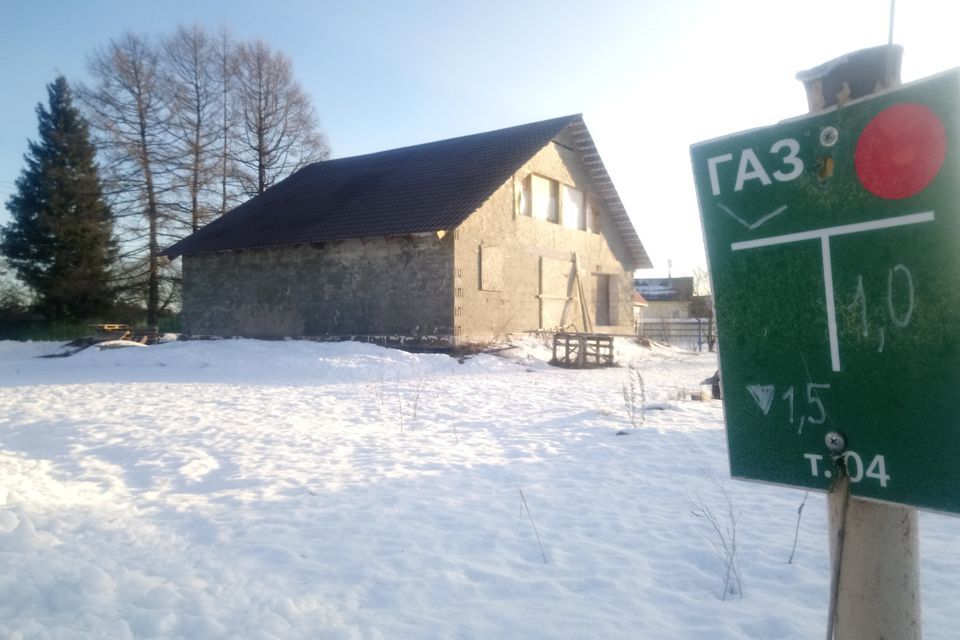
523, 505
635, 397
724, 540
396, 387
417, 391
796, 533
377, 393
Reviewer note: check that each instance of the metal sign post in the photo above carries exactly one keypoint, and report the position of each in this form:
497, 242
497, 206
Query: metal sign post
832, 245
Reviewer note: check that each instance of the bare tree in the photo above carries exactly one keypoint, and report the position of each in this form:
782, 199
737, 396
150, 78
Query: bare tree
191, 80
131, 119
184, 130
280, 132
226, 60
701, 281
701, 306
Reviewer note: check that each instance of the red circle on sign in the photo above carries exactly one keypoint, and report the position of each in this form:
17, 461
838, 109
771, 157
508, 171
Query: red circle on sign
900, 151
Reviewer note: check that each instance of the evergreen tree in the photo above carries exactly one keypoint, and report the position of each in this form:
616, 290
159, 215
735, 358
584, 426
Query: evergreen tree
60, 240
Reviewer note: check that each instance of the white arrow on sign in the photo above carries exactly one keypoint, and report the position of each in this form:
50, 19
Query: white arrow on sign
756, 224
762, 395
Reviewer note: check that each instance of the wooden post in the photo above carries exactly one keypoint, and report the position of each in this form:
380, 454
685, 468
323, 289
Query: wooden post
878, 593
874, 546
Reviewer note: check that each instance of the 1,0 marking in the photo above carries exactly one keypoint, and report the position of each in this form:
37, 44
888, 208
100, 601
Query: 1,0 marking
824, 236
876, 470
899, 317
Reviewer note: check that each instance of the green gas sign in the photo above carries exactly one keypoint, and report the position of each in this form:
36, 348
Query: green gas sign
833, 244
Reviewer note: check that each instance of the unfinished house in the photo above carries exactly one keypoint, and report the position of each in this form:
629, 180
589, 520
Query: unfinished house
455, 242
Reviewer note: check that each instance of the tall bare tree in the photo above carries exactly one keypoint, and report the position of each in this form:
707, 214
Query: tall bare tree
131, 116
701, 305
226, 61
185, 129
191, 80
280, 131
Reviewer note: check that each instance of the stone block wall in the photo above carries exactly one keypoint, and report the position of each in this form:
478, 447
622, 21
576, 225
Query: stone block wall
397, 286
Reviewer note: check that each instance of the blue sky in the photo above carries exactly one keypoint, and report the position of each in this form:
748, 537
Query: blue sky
650, 77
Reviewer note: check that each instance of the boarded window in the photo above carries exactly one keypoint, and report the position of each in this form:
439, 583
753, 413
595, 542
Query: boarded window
524, 197
556, 278
545, 194
546, 199
603, 300
608, 300
574, 208
491, 268
593, 220
613, 289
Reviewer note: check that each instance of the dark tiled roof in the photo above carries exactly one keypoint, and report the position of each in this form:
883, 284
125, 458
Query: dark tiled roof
417, 189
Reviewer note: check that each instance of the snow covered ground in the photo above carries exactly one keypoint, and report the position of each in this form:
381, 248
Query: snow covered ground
246, 489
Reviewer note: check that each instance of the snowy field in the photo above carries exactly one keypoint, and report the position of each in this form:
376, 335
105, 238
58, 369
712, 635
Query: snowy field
245, 489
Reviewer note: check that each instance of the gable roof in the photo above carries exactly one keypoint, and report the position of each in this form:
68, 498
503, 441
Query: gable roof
419, 189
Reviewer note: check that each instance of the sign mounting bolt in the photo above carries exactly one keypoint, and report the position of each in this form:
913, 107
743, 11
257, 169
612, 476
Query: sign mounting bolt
829, 136
835, 442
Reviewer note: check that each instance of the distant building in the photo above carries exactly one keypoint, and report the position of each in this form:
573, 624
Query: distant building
639, 304
674, 315
666, 297
457, 241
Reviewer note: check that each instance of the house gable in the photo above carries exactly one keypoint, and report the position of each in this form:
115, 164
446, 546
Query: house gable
538, 259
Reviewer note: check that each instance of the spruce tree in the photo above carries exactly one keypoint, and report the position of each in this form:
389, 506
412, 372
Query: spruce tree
60, 240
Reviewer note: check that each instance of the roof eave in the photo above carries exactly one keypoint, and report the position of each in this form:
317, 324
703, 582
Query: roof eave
608, 194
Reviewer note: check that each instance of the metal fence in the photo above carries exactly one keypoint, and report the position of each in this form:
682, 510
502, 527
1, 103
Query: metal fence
686, 333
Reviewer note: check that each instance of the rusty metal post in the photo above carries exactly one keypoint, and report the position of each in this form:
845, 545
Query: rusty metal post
878, 592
